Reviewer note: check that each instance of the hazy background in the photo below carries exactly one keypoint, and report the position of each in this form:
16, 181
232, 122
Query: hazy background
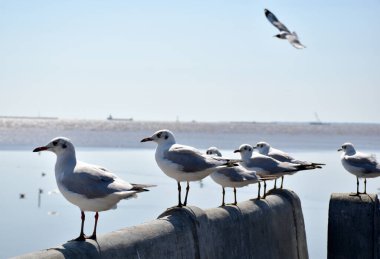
190, 60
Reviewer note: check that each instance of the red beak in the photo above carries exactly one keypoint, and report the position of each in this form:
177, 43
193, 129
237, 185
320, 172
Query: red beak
38, 149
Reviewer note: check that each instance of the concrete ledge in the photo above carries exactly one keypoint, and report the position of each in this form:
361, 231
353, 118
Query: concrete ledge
270, 228
353, 230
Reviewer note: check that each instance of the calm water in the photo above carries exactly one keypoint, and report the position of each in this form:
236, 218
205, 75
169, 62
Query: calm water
25, 227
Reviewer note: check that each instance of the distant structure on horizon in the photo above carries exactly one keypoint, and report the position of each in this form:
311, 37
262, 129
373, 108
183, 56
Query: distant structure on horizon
111, 118
318, 120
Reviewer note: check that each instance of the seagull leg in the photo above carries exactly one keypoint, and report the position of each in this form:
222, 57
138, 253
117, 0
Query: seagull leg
235, 196
81, 237
265, 189
275, 184
357, 185
223, 192
282, 182
93, 236
258, 192
187, 192
365, 186
179, 194
357, 188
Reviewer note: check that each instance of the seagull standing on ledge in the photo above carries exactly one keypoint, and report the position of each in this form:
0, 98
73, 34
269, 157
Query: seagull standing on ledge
90, 187
292, 37
266, 166
232, 176
266, 150
183, 163
359, 164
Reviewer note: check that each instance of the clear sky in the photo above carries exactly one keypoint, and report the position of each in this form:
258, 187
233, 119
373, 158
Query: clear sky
198, 60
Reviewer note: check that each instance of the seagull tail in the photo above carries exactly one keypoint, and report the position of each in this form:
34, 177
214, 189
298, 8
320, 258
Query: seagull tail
141, 187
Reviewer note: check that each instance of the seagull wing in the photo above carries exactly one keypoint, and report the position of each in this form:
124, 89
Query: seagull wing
93, 181
276, 23
366, 162
191, 160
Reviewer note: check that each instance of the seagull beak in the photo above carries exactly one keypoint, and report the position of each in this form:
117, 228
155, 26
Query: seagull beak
39, 149
237, 151
146, 139
340, 149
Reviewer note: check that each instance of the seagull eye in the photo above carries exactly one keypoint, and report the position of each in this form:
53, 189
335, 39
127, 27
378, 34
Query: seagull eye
55, 143
249, 149
166, 136
159, 135
64, 146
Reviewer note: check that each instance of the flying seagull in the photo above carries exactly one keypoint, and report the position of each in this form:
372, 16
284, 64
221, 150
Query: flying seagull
292, 37
90, 187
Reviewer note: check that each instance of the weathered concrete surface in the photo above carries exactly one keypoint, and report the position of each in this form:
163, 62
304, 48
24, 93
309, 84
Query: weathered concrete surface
353, 230
270, 228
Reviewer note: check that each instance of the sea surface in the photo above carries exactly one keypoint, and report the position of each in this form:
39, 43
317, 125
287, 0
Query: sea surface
44, 219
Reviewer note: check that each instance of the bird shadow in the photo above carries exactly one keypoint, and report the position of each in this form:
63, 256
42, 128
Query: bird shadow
74, 249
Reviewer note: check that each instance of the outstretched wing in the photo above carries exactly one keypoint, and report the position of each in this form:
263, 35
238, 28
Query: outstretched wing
276, 23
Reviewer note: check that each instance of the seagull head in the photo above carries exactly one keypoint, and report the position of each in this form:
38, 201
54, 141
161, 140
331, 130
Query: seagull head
347, 148
262, 147
214, 151
161, 136
59, 145
245, 151
281, 35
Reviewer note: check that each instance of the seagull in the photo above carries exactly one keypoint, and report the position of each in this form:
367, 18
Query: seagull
266, 166
233, 176
359, 164
183, 163
292, 37
90, 187
265, 149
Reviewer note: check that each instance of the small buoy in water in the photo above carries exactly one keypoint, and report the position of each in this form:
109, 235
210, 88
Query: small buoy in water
43, 174
22, 195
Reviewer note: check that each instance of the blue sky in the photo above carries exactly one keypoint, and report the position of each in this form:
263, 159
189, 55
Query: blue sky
192, 60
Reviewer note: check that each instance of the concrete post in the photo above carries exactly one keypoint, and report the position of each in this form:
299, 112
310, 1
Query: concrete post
353, 229
272, 228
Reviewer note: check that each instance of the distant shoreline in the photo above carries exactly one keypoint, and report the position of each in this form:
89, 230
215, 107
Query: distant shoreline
28, 133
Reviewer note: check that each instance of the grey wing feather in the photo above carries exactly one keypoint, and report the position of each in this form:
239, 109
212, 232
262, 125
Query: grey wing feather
231, 173
367, 163
92, 182
273, 19
190, 160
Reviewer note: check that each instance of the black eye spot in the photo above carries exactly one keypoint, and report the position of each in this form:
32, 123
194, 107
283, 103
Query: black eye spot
64, 146
249, 149
55, 143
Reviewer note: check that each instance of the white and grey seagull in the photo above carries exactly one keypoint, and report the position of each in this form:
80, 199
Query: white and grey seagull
265, 149
90, 187
292, 37
266, 166
183, 163
232, 176
360, 164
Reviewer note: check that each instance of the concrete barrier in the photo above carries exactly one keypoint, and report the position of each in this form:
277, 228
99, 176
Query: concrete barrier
270, 228
353, 230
